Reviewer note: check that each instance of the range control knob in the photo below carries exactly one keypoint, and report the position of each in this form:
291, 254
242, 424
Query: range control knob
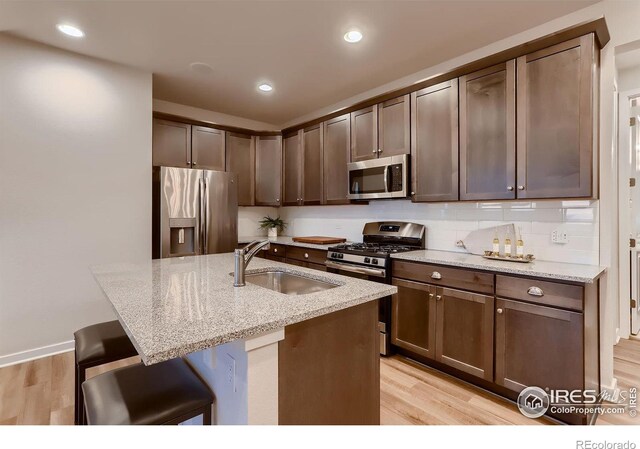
340, 256
367, 260
374, 261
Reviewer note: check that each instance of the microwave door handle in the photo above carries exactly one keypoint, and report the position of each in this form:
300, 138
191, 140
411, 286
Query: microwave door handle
386, 176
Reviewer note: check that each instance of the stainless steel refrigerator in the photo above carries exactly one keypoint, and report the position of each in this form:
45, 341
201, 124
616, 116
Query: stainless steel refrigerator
194, 212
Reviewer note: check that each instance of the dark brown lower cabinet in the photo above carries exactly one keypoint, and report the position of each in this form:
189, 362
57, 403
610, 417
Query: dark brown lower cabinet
538, 346
413, 314
464, 331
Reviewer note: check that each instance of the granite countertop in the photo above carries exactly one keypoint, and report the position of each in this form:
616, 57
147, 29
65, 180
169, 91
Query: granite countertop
172, 307
284, 240
538, 268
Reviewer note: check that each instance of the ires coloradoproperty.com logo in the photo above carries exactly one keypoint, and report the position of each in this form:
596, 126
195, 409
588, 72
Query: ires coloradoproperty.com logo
534, 402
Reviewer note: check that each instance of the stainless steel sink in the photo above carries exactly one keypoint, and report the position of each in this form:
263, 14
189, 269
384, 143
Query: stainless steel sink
288, 283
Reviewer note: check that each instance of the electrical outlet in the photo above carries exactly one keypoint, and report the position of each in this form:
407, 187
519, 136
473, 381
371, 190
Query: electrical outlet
559, 236
230, 371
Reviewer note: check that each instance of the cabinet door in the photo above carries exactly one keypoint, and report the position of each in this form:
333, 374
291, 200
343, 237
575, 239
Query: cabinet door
414, 317
208, 148
555, 121
336, 147
538, 346
464, 331
488, 133
240, 155
394, 127
312, 165
364, 134
292, 166
434, 143
171, 144
268, 170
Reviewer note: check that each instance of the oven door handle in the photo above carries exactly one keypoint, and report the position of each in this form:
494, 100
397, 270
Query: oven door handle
355, 269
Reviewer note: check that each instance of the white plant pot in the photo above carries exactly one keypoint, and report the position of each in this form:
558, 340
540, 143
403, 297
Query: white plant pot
273, 232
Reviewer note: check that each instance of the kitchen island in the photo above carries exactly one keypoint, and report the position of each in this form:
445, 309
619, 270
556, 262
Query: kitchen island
270, 358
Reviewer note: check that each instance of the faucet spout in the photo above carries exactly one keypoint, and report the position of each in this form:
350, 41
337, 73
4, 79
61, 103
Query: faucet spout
242, 258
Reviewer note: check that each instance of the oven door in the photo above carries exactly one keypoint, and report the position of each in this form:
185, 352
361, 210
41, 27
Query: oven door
378, 178
384, 304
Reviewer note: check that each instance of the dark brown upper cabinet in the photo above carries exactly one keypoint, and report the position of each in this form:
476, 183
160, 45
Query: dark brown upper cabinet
268, 170
555, 143
488, 133
312, 169
364, 134
464, 331
434, 143
381, 130
171, 144
292, 167
207, 148
394, 127
337, 144
240, 159
414, 317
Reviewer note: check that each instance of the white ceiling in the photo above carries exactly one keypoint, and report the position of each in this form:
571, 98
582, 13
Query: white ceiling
297, 46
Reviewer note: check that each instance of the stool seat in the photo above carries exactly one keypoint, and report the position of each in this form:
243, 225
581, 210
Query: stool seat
164, 393
102, 343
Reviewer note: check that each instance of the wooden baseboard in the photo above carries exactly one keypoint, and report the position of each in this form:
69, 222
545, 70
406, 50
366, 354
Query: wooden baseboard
36, 353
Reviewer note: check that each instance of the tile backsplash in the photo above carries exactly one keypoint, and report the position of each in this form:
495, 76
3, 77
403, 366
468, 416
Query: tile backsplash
449, 222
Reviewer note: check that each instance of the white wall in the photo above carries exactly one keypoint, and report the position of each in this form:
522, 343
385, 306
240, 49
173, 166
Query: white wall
449, 222
75, 189
628, 79
214, 117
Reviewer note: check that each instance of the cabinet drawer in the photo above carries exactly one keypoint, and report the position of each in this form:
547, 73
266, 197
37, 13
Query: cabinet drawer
540, 292
306, 254
277, 250
447, 277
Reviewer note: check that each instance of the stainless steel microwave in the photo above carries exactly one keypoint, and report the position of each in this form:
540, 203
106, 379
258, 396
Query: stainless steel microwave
386, 177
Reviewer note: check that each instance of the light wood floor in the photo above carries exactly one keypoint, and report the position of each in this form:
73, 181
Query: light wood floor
41, 392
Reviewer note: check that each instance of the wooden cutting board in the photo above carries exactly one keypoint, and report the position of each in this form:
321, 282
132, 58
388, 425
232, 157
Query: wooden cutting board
318, 240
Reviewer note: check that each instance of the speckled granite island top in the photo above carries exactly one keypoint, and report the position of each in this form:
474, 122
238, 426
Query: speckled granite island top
538, 268
172, 307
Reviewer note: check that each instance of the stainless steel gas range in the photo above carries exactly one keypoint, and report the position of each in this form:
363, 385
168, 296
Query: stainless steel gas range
371, 260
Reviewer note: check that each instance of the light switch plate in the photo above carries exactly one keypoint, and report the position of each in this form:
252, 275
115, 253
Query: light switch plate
559, 236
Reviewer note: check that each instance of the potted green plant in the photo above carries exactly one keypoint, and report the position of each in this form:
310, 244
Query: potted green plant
272, 225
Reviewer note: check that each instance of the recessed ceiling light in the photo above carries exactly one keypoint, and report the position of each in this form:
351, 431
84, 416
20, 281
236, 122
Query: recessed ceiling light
264, 87
353, 36
201, 67
70, 30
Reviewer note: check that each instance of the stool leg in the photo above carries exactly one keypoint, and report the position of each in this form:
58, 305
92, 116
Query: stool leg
206, 416
80, 417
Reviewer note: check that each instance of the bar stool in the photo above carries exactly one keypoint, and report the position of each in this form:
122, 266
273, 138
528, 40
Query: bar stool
96, 345
165, 393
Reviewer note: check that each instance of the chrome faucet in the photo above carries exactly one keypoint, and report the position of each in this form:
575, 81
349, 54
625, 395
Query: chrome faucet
242, 258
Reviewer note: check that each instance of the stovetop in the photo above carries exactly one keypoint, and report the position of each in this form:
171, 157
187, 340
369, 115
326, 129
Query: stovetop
372, 248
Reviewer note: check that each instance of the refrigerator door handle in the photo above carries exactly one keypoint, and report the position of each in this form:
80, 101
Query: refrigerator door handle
203, 219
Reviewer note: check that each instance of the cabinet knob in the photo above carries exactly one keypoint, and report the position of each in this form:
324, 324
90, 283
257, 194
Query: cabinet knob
510, 188
499, 311
275, 250
306, 255
431, 295
379, 150
277, 200
535, 291
438, 297
520, 187
436, 275
374, 151
413, 193
193, 163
